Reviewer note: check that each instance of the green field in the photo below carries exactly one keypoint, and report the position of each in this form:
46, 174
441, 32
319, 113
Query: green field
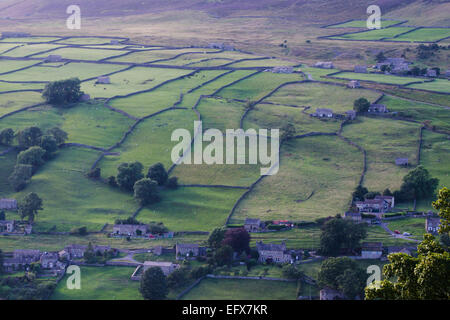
377, 77
106, 283
384, 140
434, 156
415, 226
74, 69
31, 49
232, 289
29, 39
84, 54
438, 85
363, 24
10, 102
86, 40
11, 65
376, 34
312, 170
425, 35
193, 208
317, 95
153, 55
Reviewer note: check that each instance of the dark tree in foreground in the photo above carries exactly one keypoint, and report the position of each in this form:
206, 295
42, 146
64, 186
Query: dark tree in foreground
343, 274
361, 105
338, 234
30, 206
158, 173
153, 284
178, 278
223, 255
238, 239
146, 191
443, 205
62, 91
128, 174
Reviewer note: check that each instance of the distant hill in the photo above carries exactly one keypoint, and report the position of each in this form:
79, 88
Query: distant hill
432, 11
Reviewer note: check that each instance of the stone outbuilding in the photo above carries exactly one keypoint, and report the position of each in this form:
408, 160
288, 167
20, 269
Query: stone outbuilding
103, 80
323, 113
354, 84
253, 225
372, 250
378, 108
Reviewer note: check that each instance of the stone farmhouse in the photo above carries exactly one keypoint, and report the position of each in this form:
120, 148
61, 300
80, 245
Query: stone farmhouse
323, 113
360, 69
389, 199
7, 226
432, 225
401, 161
378, 108
377, 206
130, 229
253, 225
324, 65
27, 256
371, 250
354, 84
355, 216
188, 250
8, 204
273, 252
49, 260
397, 65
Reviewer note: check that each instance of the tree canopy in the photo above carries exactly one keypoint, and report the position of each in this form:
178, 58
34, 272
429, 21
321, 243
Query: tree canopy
417, 184
153, 285
30, 206
146, 191
361, 105
158, 173
128, 174
238, 239
62, 92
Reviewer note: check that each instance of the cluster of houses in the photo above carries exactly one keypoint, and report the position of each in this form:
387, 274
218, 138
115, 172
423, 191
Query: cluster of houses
10, 227
138, 231
376, 206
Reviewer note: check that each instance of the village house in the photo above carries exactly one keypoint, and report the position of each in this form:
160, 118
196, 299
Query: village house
7, 226
360, 69
49, 260
323, 113
355, 216
447, 73
85, 97
390, 200
396, 65
12, 264
253, 225
53, 58
401, 162
27, 256
431, 73
371, 250
350, 114
188, 250
432, 225
72, 251
103, 80
373, 206
324, 65
273, 252
354, 84
331, 294
130, 229
8, 204
378, 108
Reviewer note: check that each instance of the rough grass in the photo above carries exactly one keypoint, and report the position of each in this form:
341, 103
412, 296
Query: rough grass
128, 81
312, 171
86, 40
83, 54
44, 117
149, 56
10, 102
70, 199
435, 156
377, 77
438, 85
233, 289
20, 86
305, 237
8, 162
270, 62
363, 24
192, 209
384, 140
437, 116
150, 142
106, 283
318, 95
74, 69
29, 39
